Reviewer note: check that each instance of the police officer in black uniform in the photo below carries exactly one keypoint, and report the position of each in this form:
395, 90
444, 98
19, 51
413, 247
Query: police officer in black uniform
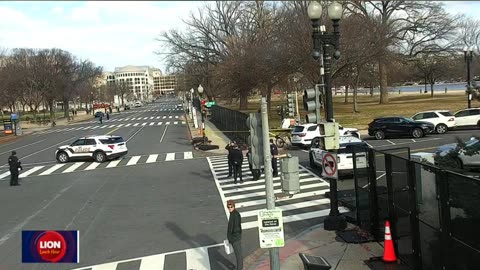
237, 160
229, 148
274, 153
14, 166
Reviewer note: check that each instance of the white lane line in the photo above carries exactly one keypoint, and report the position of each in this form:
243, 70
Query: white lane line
197, 258
390, 142
413, 140
113, 163
73, 167
5, 174
152, 158
52, 169
133, 160
92, 166
187, 155
163, 135
170, 156
32, 170
16, 148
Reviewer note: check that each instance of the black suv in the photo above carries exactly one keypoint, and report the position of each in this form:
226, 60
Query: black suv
398, 126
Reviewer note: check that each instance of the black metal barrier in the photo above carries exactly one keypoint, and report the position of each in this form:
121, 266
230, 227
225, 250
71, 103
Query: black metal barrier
434, 214
232, 123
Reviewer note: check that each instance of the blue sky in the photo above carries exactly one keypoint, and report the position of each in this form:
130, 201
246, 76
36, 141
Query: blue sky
109, 33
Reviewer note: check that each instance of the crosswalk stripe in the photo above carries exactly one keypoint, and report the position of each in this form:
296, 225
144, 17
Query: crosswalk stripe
32, 170
158, 117
277, 189
183, 122
113, 163
73, 167
176, 116
129, 124
143, 124
53, 169
152, 158
120, 125
5, 174
92, 166
164, 117
133, 160
160, 123
175, 122
169, 116
187, 155
259, 184
95, 127
151, 117
136, 124
287, 207
152, 123
153, 262
145, 118
170, 156
168, 123
197, 258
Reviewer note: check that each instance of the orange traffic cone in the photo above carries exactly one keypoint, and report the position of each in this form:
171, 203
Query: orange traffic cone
388, 250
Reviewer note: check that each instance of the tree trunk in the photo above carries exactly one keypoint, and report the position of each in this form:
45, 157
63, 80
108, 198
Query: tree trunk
52, 111
66, 106
269, 98
431, 89
382, 70
355, 91
243, 102
346, 93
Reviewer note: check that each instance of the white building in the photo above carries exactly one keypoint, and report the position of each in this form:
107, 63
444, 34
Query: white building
139, 79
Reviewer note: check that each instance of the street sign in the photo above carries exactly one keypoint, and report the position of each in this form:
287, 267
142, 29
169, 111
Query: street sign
329, 165
270, 228
210, 104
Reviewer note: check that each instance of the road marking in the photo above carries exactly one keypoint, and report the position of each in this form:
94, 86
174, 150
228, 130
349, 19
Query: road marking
5, 174
197, 258
175, 122
92, 166
187, 155
143, 124
151, 117
170, 156
52, 169
183, 122
111, 131
152, 158
16, 148
163, 135
152, 123
390, 142
167, 123
133, 160
164, 117
113, 163
169, 117
413, 140
120, 125
158, 117
145, 118
73, 167
153, 262
262, 193
136, 124
129, 124
160, 123
32, 170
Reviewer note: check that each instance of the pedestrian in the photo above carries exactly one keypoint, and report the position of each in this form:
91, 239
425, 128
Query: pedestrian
274, 153
100, 119
108, 116
14, 165
255, 172
105, 109
229, 148
237, 159
110, 109
234, 233
118, 109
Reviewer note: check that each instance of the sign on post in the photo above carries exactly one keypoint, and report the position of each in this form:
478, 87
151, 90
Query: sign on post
329, 165
270, 228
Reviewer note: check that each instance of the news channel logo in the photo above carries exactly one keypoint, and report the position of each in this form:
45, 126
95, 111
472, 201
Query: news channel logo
50, 246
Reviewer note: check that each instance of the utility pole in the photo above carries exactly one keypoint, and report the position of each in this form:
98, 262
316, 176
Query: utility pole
269, 191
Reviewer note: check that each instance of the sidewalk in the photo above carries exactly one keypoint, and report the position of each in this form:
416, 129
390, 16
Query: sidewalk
314, 241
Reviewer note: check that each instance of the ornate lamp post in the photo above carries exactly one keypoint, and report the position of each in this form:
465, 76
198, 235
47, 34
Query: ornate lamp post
323, 41
200, 91
468, 55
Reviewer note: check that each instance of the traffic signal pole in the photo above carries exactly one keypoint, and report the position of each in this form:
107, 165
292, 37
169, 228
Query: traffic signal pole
269, 191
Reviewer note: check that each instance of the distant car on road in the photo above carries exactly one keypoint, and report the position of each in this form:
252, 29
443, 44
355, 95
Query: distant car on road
442, 119
467, 117
98, 114
98, 148
138, 104
384, 127
344, 154
302, 135
462, 160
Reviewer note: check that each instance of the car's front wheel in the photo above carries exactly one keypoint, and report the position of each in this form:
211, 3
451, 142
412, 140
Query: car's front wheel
417, 133
62, 157
99, 157
441, 128
379, 135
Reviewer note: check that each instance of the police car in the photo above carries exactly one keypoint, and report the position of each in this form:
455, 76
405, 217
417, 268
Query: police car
99, 148
348, 144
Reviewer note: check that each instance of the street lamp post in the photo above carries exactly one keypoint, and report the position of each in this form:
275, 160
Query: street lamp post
324, 41
468, 53
200, 91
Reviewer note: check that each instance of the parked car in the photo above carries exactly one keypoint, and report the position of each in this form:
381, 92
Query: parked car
348, 144
302, 135
442, 119
382, 127
467, 117
98, 114
462, 160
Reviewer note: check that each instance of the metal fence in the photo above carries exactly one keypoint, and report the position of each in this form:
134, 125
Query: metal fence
232, 123
434, 213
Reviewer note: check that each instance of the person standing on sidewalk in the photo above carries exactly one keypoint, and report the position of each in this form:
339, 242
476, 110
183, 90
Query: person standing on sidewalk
234, 232
229, 148
274, 153
237, 160
14, 165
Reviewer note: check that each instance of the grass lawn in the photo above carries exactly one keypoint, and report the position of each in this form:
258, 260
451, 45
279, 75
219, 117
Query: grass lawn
400, 105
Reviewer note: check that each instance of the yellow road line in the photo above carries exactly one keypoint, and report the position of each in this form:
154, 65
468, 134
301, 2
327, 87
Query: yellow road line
111, 131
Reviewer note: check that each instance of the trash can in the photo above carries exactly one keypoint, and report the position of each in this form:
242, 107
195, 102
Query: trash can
7, 128
314, 262
290, 179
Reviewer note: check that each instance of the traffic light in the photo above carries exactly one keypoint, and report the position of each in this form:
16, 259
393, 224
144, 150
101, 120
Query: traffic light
291, 105
255, 140
329, 136
311, 103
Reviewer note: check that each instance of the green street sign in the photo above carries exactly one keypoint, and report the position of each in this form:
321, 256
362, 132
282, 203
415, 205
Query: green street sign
210, 104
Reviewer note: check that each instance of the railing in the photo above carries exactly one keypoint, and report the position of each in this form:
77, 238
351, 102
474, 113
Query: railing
232, 123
